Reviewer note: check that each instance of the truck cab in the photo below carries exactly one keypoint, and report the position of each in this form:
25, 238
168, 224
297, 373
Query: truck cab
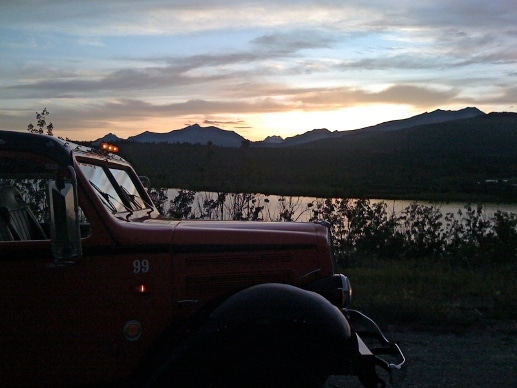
99, 287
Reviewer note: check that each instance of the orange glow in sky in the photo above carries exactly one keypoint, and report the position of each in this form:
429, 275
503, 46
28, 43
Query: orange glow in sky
256, 68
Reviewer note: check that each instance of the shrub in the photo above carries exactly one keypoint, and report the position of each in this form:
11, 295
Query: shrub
363, 229
422, 231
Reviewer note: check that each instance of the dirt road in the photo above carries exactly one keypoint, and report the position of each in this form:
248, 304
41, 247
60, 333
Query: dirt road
477, 358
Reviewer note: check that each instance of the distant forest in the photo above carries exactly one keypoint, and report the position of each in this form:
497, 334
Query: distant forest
473, 160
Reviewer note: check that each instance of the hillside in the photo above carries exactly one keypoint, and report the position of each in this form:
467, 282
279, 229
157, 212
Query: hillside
434, 117
192, 134
491, 133
196, 134
442, 161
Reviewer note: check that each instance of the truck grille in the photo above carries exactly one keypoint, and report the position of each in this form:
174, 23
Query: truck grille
199, 286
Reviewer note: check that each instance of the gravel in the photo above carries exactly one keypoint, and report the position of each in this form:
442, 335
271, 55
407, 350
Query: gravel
476, 358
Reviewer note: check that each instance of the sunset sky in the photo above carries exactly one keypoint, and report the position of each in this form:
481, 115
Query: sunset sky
259, 68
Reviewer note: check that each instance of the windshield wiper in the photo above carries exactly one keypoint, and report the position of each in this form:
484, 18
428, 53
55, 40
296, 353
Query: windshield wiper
131, 198
105, 198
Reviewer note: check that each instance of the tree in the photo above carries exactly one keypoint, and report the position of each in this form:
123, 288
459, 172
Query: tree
41, 124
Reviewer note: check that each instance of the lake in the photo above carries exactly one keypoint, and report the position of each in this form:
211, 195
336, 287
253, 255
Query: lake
276, 208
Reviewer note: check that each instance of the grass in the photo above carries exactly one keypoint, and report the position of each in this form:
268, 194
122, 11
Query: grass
426, 294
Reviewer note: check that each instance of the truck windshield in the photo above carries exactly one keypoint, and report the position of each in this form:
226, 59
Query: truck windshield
114, 187
130, 192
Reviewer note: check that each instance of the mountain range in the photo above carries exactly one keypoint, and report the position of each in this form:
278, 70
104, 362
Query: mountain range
423, 157
196, 134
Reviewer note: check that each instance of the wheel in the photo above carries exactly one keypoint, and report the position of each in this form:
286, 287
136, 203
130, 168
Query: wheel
265, 370
236, 362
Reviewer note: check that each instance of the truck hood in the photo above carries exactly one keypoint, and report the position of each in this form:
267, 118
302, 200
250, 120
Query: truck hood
249, 233
223, 256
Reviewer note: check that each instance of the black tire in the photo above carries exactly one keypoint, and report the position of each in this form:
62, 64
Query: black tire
264, 367
272, 335
266, 374
238, 362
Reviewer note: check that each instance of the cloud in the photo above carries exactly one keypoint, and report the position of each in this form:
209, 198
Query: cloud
125, 60
157, 17
414, 95
132, 17
507, 96
339, 98
170, 72
287, 43
224, 123
305, 99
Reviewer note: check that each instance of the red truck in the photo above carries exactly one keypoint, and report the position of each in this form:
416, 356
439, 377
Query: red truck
99, 288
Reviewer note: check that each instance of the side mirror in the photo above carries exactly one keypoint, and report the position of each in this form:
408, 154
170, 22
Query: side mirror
146, 182
64, 216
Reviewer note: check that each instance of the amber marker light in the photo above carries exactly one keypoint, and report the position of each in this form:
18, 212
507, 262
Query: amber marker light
141, 289
109, 147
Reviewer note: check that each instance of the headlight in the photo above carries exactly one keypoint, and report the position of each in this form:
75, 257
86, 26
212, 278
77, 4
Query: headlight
336, 289
346, 290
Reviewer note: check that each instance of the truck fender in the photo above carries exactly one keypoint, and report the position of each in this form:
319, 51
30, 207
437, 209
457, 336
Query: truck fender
276, 331
274, 306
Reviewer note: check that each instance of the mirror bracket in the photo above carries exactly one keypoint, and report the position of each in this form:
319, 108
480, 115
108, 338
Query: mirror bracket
64, 217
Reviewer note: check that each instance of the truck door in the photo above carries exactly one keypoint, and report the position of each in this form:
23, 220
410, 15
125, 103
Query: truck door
77, 321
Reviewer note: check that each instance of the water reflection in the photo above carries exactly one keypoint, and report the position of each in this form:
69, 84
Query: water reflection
228, 206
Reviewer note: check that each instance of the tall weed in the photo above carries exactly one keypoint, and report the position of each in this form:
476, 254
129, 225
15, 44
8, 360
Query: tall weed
363, 229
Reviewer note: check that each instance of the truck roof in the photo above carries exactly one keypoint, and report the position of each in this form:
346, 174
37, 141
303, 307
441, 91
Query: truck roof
60, 150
